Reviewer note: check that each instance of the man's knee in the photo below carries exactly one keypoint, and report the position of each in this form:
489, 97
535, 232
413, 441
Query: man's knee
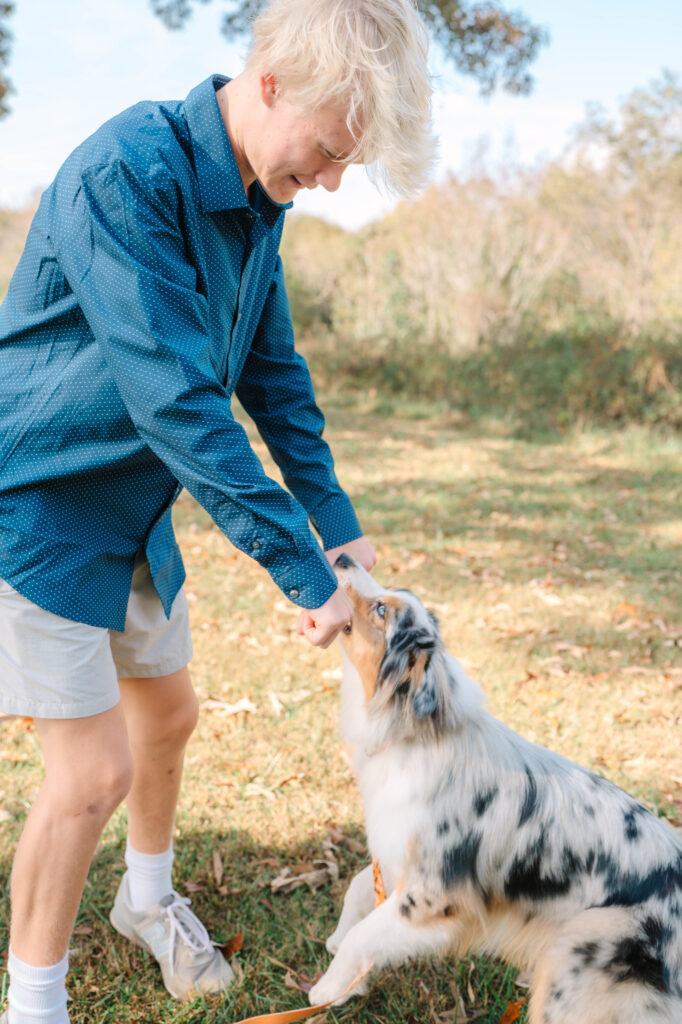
112, 781
98, 793
88, 764
91, 789
182, 720
172, 724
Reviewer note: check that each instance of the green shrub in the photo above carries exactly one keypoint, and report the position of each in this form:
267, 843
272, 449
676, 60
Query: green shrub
587, 375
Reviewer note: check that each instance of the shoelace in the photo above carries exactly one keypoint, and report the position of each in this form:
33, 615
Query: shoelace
185, 926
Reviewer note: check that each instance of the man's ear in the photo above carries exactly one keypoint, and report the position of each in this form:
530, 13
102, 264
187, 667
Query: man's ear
268, 89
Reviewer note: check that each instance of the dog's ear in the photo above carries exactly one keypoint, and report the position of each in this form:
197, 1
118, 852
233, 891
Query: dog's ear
426, 698
405, 649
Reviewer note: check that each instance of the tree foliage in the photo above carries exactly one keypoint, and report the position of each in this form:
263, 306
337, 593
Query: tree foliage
564, 279
6, 10
480, 38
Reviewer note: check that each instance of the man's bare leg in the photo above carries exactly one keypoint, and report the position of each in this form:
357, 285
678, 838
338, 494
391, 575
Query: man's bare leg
160, 714
88, 770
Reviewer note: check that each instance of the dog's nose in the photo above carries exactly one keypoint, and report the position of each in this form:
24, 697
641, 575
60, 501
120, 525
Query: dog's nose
344, 561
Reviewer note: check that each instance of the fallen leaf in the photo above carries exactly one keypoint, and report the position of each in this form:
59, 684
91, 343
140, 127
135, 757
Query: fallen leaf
232, 946
218, 871
238, 970
254, 789
277, 705
194, 887
302, 867
338, 836
289, 778
222, 707
461, 1016
513, 1011
470, 991
287, 882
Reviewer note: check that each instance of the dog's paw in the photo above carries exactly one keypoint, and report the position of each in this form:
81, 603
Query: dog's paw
322, 992
333, 942
331, 990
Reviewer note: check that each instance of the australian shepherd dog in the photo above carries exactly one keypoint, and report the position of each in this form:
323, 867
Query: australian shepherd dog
488, 843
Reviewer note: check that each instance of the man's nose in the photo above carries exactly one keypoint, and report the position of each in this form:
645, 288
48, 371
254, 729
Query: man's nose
330, 176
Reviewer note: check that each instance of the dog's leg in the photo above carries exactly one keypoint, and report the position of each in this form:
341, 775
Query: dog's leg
357, 903
602, 967
384, 937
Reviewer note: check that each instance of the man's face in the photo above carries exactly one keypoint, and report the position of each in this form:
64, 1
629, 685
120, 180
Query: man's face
298, 148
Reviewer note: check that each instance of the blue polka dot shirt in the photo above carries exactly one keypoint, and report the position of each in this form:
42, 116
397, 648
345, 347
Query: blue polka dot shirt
149, 291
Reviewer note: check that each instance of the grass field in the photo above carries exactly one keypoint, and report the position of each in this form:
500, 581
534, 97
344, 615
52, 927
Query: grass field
556, 572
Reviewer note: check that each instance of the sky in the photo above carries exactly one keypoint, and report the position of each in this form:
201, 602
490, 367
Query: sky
76, 63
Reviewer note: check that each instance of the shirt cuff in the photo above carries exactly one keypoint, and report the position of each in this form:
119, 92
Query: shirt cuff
308, 581
336, 522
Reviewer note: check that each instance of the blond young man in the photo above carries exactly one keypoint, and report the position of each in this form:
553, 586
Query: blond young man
150, 290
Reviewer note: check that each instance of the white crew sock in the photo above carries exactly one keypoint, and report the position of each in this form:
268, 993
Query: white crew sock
37, 995
149, 877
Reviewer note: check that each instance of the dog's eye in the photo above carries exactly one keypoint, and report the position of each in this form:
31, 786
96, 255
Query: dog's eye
380, 609
347, 628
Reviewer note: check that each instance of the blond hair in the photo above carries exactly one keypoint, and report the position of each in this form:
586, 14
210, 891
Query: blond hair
369, 56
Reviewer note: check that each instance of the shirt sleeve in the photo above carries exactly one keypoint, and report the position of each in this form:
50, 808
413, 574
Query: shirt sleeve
117, 238
276, 390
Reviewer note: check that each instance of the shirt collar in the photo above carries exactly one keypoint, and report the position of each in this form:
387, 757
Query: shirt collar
220, 183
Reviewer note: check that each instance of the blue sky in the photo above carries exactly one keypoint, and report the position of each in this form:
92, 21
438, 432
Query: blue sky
76, 63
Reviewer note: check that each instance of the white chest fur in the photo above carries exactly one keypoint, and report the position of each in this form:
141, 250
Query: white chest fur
391, 784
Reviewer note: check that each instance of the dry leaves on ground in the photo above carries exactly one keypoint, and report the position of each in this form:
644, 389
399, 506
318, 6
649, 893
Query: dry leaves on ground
223, 707
311, 873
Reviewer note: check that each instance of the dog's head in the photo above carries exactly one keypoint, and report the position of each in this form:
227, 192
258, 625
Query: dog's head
395, 646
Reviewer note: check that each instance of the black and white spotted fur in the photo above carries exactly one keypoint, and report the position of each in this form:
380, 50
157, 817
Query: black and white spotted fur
487, 842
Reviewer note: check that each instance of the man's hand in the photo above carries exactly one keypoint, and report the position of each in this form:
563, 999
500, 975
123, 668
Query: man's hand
322, 625
360, 550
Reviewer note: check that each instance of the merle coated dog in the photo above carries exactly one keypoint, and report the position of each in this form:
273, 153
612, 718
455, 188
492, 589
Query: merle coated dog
487, 842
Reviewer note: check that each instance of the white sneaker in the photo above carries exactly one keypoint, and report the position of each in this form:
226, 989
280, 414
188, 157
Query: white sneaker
175, 936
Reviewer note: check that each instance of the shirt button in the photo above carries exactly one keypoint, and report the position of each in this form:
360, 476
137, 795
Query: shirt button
293, 593
255, 545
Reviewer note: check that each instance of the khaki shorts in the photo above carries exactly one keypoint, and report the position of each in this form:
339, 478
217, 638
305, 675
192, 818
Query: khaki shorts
51, 667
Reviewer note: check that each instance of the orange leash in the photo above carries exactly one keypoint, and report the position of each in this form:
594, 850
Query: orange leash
379, 890
289, 1016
